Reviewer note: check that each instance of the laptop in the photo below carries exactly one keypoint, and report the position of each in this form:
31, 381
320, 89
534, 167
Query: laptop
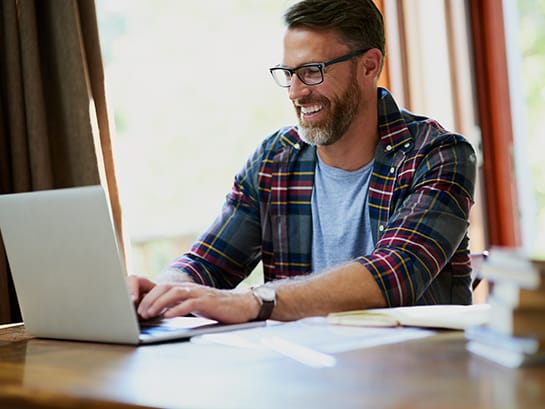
69, 275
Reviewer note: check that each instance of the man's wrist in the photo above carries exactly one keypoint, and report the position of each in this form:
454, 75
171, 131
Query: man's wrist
266, 297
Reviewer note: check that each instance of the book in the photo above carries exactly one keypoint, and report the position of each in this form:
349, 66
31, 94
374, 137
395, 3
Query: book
513, 265
486, 335
505, 357
514, 296
507, 350
458, 317
509, 320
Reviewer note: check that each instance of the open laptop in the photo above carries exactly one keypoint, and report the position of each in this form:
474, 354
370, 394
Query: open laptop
69, 276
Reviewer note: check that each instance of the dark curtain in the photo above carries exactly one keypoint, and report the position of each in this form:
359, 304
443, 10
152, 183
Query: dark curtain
54, 128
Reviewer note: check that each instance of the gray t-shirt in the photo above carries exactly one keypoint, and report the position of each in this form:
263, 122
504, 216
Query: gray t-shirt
341, 229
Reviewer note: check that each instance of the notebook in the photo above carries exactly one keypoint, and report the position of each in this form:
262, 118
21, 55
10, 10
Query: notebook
69, 275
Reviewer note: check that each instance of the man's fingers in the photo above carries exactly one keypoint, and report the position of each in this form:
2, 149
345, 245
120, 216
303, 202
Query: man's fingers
181, 309
172, 300
139, 286
134, 287
162, 297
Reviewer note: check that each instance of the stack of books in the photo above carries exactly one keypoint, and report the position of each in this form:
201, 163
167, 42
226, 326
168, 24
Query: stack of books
515, 333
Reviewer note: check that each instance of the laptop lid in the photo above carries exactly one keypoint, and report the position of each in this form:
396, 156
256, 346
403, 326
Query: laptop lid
64, 259
67, 270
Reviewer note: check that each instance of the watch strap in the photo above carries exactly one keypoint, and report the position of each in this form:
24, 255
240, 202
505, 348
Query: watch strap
266, 305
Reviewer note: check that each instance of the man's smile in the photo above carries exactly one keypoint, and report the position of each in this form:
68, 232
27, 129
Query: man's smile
310, 111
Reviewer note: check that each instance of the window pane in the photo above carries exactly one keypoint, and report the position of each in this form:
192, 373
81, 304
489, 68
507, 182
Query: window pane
531, 43
191, 95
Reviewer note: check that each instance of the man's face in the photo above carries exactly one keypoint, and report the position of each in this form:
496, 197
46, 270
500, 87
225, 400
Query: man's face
324, 111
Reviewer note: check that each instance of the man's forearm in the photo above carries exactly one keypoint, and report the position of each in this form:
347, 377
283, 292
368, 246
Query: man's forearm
347, 287
174, 275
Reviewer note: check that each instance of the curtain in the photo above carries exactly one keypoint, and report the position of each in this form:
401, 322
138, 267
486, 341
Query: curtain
54, 127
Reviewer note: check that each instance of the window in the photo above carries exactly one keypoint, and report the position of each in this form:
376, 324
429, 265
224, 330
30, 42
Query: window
526, 21
191, 96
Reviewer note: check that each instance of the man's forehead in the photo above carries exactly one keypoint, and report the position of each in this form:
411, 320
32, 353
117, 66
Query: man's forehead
303, 45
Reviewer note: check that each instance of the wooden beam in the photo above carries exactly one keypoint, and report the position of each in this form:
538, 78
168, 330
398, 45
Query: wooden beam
494, 110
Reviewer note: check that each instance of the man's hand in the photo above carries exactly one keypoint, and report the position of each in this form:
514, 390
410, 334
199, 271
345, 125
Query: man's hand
139, 286
179, 299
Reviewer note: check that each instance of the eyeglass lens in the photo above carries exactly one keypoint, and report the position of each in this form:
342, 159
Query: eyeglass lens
308, 74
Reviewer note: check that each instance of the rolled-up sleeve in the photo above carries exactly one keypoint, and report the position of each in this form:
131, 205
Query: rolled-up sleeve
230, 248
428, 221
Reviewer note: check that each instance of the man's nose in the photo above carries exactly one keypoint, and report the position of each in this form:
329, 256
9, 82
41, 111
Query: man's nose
297, 88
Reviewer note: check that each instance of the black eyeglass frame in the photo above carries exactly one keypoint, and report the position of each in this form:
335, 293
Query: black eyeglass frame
320, 65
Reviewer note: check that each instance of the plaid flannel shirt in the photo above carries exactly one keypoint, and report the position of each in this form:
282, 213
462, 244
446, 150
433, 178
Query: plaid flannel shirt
420, 194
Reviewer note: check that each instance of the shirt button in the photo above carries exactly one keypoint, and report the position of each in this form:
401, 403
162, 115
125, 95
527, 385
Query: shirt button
392, 169
381, 227
407, 145
389, 148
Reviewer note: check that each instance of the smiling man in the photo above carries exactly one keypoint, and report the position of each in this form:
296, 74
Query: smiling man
360, 205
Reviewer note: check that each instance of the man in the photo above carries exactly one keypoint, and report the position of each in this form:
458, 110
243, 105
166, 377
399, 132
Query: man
361, 205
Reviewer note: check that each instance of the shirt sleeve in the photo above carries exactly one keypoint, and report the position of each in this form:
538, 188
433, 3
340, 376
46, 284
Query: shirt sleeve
428, 221
230, 248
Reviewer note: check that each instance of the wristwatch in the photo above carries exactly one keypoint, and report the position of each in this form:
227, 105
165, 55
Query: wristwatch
266, 296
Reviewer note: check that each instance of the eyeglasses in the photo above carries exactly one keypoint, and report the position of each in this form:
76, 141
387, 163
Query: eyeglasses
311, 73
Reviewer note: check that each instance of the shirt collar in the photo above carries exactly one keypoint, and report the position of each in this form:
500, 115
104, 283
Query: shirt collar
393, 131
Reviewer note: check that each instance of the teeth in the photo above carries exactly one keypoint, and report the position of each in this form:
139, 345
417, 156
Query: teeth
310, 109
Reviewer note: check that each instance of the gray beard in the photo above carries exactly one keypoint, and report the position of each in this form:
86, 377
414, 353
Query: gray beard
335, 127
316, 136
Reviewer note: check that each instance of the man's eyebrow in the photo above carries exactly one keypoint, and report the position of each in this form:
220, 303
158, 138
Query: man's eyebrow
299, 66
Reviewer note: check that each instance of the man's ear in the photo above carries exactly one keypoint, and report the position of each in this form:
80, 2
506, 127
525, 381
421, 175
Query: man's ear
372, 62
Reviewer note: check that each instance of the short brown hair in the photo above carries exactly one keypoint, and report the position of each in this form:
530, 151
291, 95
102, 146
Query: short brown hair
359, 22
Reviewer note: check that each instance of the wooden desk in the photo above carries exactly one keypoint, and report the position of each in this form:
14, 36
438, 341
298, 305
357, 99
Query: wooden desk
434, 372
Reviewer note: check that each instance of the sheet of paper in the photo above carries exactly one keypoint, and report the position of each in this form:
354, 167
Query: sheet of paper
315, 333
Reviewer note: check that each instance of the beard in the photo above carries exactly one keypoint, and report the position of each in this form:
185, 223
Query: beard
329, 131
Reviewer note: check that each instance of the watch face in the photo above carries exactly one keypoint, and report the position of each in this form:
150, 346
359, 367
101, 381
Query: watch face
265, 293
